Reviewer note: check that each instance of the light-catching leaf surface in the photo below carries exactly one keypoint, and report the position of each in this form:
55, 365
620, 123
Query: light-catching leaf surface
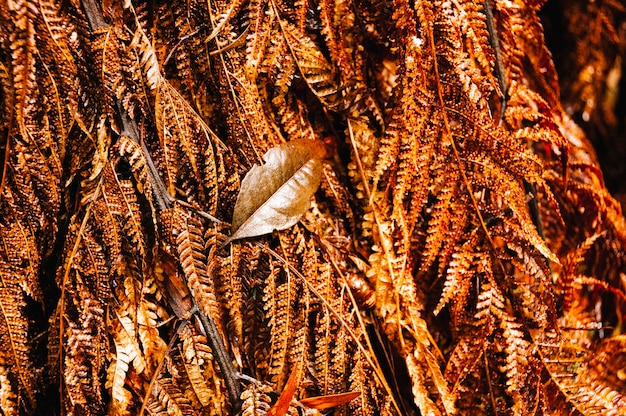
275, 195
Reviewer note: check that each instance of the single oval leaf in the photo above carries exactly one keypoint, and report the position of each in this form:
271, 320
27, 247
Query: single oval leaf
275, 195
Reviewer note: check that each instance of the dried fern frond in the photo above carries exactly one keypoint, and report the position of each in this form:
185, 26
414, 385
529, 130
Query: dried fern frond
462, 254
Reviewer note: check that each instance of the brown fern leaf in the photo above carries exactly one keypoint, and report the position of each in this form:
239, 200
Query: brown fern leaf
84, 340
589, 59
8, 397
344, 29
86, 274
279, 299
410, 188
256, 400
20, 247
133, 154
188, 233
311, 64
338, 304
525, 54
62, 64
447, 222
33, 144
188, 145
529, 279
372, 400
133, 226
151, 314
5, 119
460, 275
329, 354
138, 347
19, 383
110, 56
579, 386
521, 385
22, 44
249, 264
480, 74
249, 131
258, 39
168, 400
571, 264
127, 353
338, 363
200, 368
594, 39
608, 365
183, 132
229, 288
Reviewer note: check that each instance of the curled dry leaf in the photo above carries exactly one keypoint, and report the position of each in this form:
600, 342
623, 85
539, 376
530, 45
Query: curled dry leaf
275, 195
281, 407
330, 400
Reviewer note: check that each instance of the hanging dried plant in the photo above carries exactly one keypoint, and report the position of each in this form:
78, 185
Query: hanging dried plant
418, 226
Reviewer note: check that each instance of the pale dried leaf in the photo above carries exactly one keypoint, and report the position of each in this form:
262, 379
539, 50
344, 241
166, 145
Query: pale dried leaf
275, 195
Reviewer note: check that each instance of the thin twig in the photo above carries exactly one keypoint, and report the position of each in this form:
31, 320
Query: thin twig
533, 206
495, 44
231, 376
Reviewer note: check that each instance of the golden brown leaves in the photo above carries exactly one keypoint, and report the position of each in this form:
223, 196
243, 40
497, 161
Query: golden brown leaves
454, 261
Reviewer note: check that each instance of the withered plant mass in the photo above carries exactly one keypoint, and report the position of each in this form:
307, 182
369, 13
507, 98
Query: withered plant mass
462, 254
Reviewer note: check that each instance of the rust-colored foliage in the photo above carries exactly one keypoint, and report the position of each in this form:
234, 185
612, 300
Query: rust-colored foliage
461, 255
589, 40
